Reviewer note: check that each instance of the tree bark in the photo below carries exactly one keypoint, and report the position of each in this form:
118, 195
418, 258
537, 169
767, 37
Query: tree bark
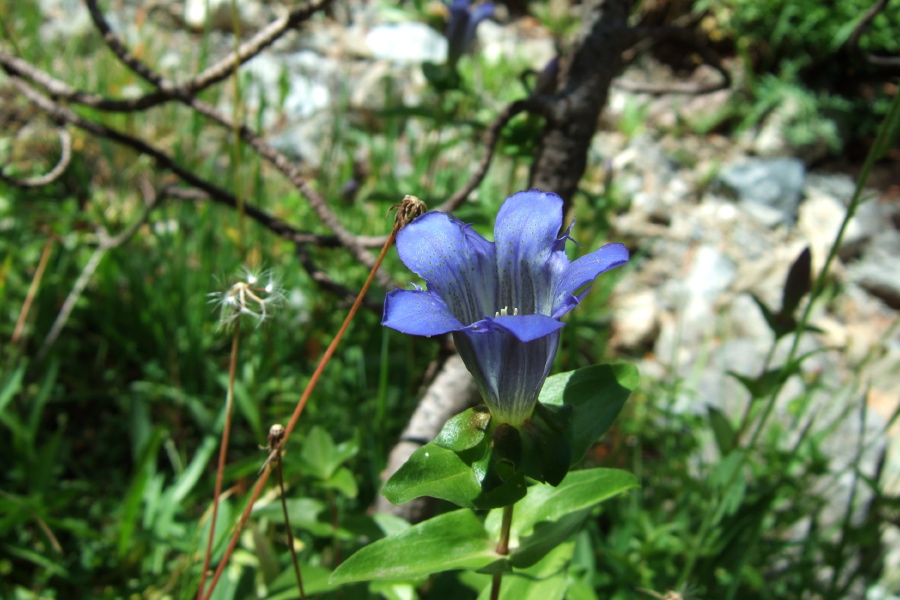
581, 92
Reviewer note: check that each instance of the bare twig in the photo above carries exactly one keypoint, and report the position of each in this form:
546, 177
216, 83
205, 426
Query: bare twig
32, 290
168, 90
318, 204
326, 282
65, 157
491, 137
652, 35
223, 453
585, 76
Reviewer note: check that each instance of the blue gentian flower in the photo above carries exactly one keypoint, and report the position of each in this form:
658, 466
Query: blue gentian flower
502, 300
461, 28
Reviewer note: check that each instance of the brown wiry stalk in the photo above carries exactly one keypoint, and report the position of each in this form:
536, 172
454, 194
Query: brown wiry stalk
276, 437
32, 290
223, 453
410, 208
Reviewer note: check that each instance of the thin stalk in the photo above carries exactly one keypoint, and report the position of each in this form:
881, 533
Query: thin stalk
745, 420
410, 208
238, 194
335, 524
502, 549
287, 526
32, 290
223, 453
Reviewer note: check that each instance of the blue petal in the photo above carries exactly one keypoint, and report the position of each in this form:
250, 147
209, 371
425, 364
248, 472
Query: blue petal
582, 272
527, 327
508, 372
525, 241
456, 261
418, 312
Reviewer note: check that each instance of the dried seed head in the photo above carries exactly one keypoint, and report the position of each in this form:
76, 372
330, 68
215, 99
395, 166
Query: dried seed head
408, 209
255, 294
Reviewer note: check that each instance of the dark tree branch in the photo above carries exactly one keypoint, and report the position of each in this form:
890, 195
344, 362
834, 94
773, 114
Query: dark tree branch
587, 72
316, 201
168, 90
163, 160
491, 137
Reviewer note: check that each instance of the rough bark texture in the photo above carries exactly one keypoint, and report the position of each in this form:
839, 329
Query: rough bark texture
581, 92
451, 392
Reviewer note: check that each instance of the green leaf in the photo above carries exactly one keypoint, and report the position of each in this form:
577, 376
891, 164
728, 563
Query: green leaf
441, 473
548, 452
465, 430
727, 479
343, 481
315, 581
797, 284
394, 590
763, 385
549, 515
265, 554
303, 514
455, 540
780, 323
390, 524
596, 394
317, 456
722, 429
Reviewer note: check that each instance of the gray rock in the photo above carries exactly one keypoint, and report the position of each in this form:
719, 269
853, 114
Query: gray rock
770, 188
877, 271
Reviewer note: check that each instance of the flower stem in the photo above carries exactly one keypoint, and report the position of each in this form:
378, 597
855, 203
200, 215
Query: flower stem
410, 208
223, 453
287, 528
502, 549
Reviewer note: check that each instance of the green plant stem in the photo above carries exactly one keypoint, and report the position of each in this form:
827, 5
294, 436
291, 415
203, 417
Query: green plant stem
287, 528
745, 420
884, 132
223, 453
238, 194
502, 549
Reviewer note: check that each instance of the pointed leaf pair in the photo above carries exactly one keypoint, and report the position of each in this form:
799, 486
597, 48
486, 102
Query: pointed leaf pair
458, 540
455, 540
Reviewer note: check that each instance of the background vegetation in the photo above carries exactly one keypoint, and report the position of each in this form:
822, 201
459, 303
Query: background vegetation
108, 432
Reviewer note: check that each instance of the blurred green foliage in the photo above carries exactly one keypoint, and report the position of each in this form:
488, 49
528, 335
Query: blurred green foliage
107, 441
797, 52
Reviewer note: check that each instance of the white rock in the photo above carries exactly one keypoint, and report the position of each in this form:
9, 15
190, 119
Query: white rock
407, 43
218, 13
636, 321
